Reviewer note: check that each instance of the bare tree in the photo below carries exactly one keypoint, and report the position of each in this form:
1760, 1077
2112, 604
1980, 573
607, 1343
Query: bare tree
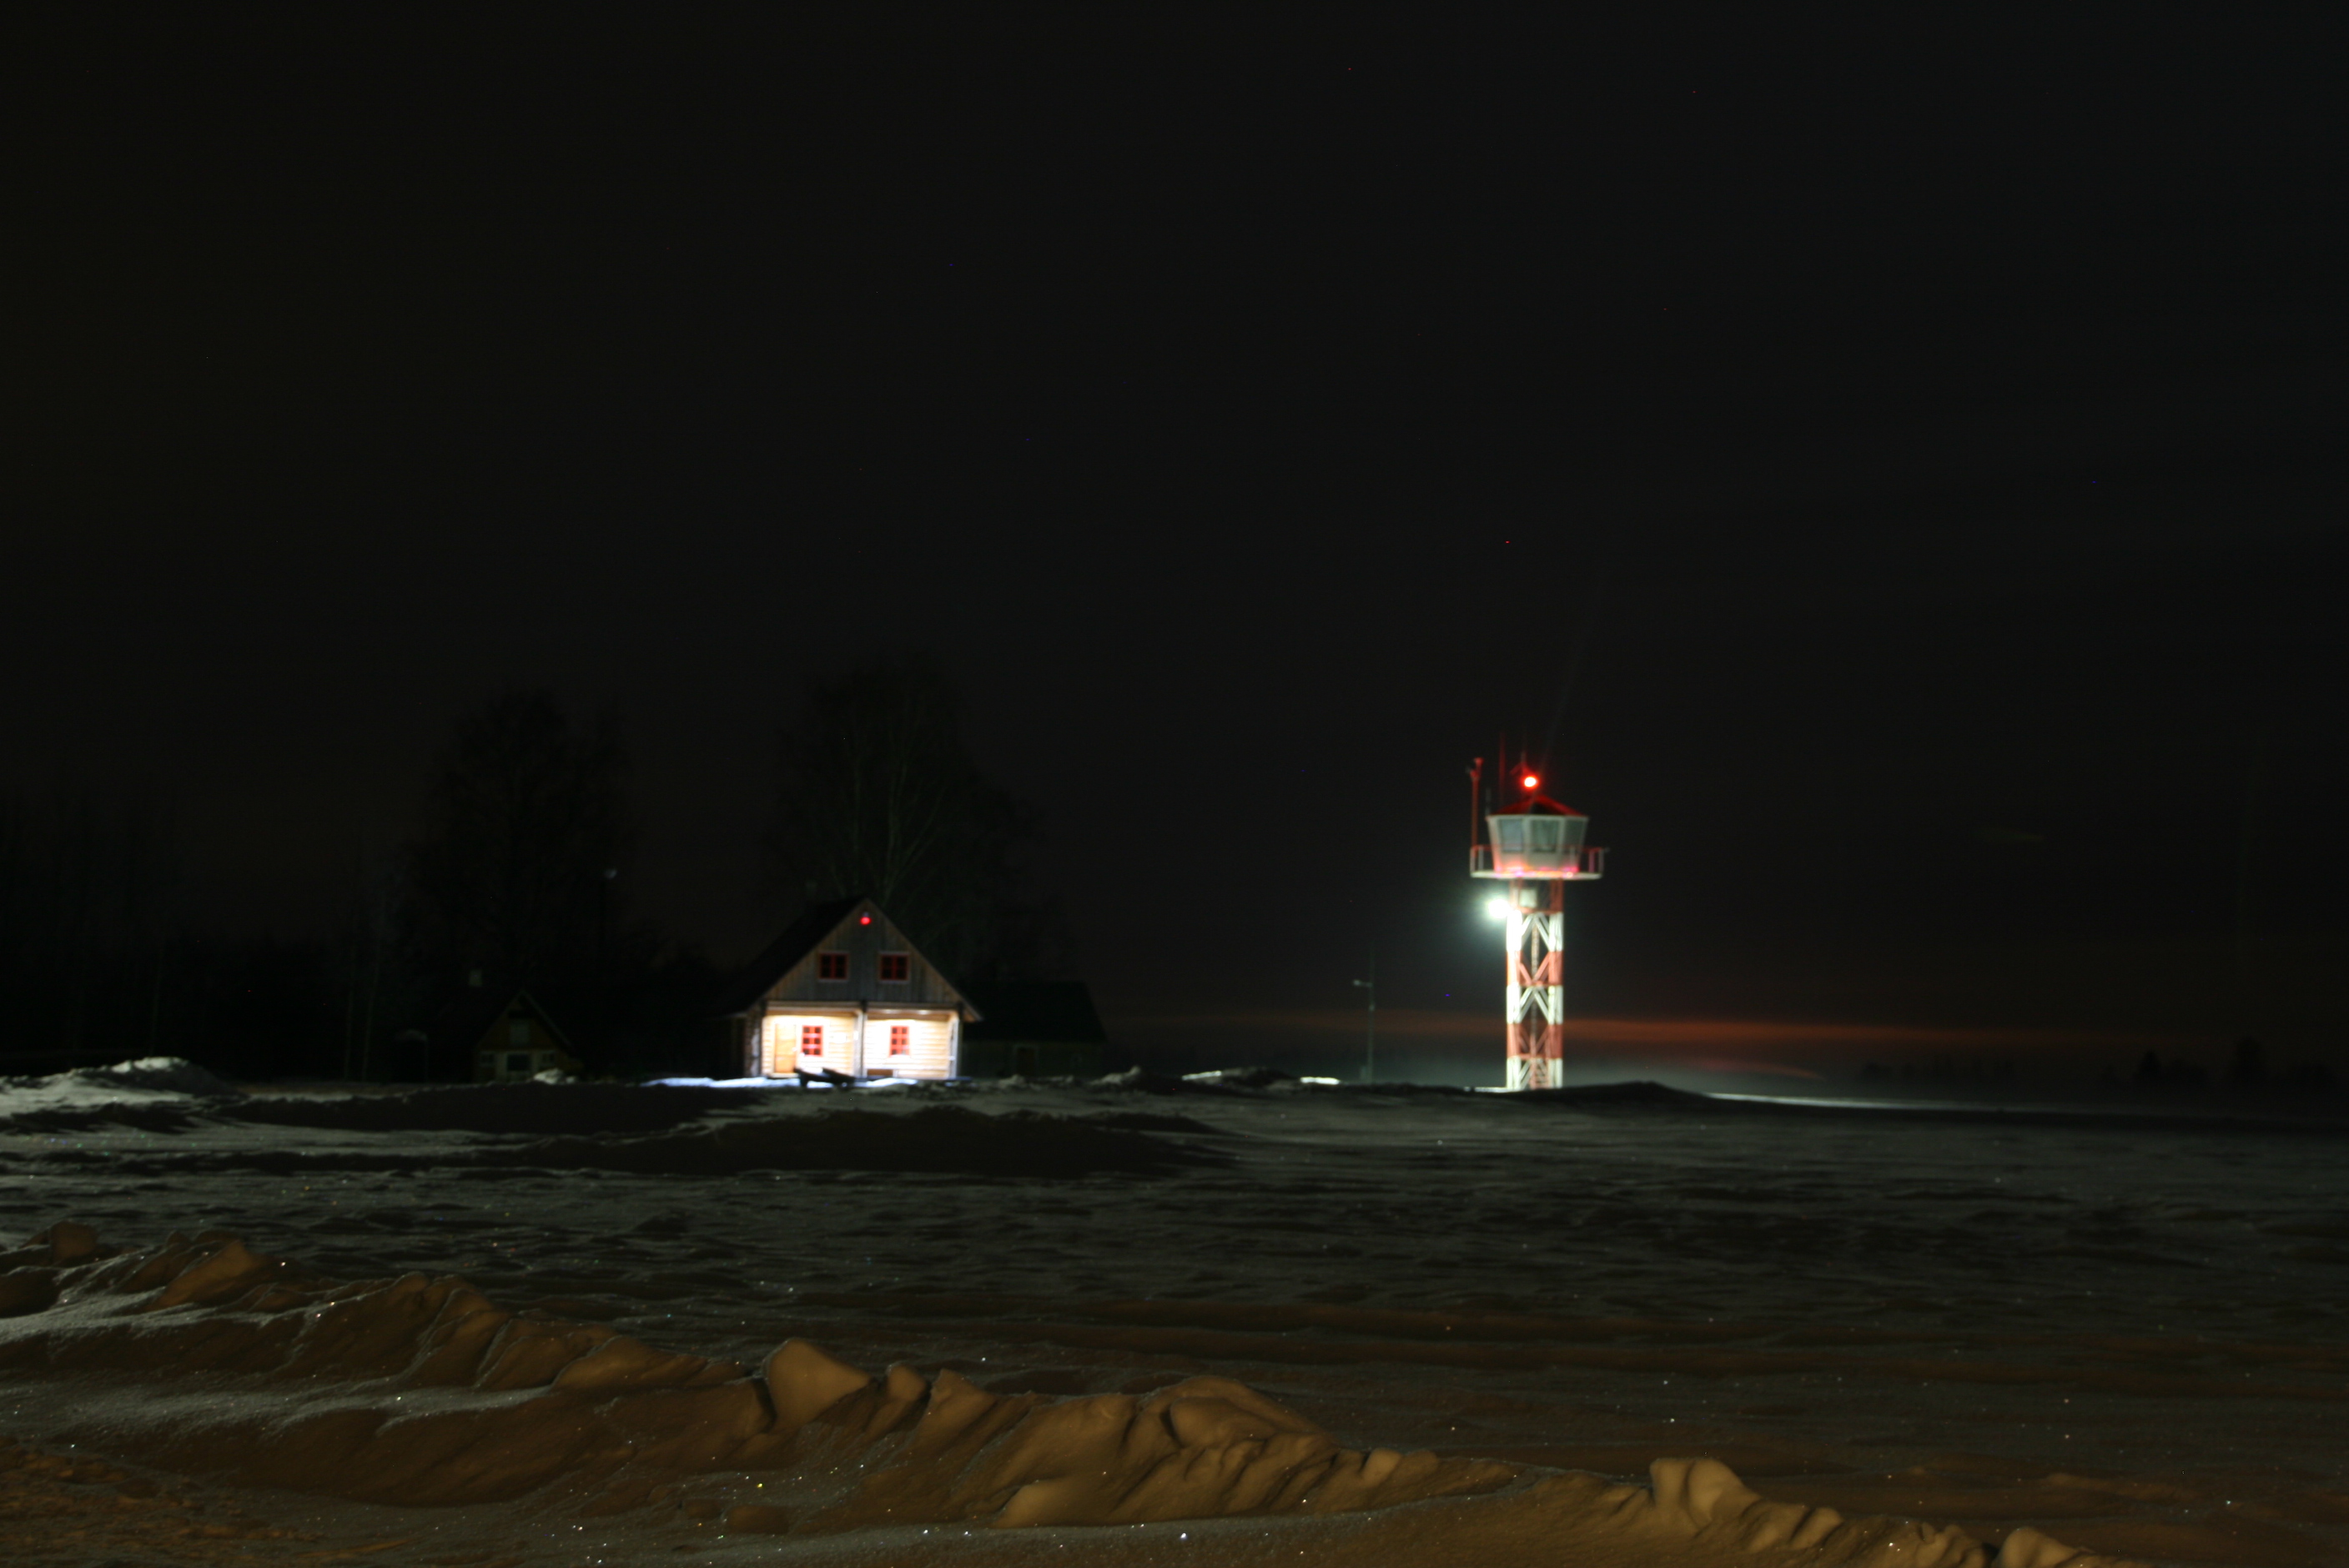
880, 795
526, 819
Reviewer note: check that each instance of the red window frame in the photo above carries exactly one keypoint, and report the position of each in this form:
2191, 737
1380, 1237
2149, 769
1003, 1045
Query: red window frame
831, 965
901, 1039
896, 968
810, 1039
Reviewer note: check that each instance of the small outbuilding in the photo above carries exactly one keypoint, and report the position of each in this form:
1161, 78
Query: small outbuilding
843, 993
497, 1035
1032, 1029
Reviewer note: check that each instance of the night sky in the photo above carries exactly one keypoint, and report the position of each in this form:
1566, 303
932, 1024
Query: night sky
1889, 467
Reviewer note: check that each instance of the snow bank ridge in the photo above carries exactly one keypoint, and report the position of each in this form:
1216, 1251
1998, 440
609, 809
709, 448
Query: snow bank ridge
147, 1078
174, 1075
331, 1376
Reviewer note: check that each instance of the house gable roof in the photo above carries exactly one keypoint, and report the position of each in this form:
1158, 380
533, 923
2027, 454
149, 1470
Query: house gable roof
465, 1021
816, 929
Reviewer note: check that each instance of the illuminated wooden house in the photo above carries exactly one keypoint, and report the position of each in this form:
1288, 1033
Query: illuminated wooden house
842, 992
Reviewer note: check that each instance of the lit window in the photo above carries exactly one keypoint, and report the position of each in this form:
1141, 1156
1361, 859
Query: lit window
901, 1039
831, 965
895, 966
810, 1039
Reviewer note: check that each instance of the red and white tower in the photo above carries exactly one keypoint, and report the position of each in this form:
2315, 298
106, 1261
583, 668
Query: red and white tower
1530, 849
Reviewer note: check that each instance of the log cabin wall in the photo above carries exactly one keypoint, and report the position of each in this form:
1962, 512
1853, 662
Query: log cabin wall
910, 1043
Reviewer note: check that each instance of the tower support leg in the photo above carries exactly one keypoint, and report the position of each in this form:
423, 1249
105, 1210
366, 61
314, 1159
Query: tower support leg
1536, 1000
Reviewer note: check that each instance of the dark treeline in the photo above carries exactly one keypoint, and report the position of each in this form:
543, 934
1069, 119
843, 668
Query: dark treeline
517, 875
92, 936
102, 955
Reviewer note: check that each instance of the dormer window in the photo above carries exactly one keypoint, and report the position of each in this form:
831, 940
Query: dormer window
896, 968
831, 965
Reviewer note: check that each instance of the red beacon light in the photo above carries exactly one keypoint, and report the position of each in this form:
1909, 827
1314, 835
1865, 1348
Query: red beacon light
1530, 783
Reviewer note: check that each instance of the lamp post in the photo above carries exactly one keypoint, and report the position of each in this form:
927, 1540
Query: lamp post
603, 955
1370, 988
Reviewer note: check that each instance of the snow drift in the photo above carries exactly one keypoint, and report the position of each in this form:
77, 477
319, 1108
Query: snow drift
421, 1391
163, 1083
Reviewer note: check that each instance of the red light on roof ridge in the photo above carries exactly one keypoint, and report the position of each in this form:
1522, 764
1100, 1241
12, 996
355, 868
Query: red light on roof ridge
1531, 782
864, 920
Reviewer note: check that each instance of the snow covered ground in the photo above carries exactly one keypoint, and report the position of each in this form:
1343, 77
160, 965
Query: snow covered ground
2127, 1334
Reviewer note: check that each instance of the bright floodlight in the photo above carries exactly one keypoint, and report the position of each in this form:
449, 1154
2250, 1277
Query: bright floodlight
1498, 908
1531, 782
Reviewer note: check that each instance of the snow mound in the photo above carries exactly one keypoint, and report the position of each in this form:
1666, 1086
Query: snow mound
1139, 1079
153, 1092
1213, 1081
328, 1371
1636, 1094
170, 1074
1242, 1077
420, 1391
934, 1138
524, 1109
922, 1138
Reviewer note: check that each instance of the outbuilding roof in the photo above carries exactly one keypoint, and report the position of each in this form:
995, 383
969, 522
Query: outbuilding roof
476, 1010
1053, 1012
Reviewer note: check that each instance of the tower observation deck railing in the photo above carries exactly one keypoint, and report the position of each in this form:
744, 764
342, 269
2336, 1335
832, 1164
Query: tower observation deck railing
1588, 861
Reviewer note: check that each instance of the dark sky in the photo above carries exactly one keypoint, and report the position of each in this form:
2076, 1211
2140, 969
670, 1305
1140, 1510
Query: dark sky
1892, 464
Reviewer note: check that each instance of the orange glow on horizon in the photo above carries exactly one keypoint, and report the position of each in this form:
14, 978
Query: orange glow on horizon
1712, 1039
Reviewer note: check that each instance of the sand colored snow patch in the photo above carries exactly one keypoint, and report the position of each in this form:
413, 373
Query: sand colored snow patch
330, 1371
420, 1391
802, 1382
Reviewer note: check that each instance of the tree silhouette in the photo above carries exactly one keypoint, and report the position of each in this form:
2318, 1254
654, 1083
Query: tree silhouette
526, 818
90, 912
880, 795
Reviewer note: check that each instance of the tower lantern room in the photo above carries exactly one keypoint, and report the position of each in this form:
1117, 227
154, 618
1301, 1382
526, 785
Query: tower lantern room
1538, 838
1531, 847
